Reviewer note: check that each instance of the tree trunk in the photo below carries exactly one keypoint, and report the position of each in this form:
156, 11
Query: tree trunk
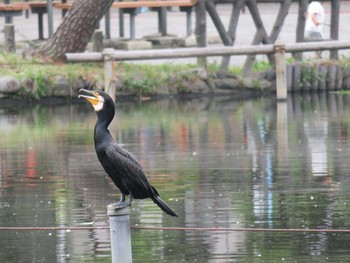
75, 30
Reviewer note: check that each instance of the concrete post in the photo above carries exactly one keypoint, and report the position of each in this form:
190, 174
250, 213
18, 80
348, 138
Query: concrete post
120, 234
281, 77
10, 43
109, 71
97, 41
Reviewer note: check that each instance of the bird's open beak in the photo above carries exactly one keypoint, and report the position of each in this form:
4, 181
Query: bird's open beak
93, 96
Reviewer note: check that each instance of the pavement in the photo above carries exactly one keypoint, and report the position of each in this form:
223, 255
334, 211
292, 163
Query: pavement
147, 24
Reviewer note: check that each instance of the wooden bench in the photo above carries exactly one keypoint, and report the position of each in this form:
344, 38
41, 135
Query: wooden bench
138, 4
153, 3
131, 7
39, 8
11, 10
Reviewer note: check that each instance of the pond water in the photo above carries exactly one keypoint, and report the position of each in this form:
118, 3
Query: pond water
216, 162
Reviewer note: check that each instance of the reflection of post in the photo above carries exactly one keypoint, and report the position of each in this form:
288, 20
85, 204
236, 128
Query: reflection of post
282, 131
31, 164
120, 234
281, 78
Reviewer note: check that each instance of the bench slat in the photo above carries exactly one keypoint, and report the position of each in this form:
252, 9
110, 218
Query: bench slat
137, 4
14, 7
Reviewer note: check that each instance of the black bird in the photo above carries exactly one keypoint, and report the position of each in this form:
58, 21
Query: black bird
121, 166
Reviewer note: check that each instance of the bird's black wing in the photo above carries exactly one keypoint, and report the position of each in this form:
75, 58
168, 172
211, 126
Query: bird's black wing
133, 175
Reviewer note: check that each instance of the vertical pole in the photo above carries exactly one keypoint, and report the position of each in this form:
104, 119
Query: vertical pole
335, 5
189, 22
64, 11
108, 24
201, 29
40, 25
50, 17
109, 71
302, 12
281, 78
162, 20
8, 19
132, 25
27, 11
120, 234
121, 22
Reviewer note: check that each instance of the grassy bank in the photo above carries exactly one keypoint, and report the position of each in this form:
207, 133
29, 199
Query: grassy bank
19, 68
136, 78
149, 79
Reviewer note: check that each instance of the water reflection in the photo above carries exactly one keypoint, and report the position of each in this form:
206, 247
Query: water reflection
217, 162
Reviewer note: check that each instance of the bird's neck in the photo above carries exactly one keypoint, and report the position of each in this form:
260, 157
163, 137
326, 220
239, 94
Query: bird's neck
102, 135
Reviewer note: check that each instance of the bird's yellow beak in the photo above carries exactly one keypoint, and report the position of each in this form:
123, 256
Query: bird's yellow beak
93, 98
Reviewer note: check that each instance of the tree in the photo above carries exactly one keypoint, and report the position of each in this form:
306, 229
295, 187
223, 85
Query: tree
75, 30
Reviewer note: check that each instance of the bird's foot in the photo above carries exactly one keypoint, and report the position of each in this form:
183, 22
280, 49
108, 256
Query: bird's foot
121, 205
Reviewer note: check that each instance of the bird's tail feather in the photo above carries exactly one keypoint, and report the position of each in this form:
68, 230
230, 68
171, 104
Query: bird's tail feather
164, 206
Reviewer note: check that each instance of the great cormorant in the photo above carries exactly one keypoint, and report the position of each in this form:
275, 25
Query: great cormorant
121, 166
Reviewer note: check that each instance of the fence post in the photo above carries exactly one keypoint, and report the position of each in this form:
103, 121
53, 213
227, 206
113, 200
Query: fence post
109, 71
281, 69
119, 225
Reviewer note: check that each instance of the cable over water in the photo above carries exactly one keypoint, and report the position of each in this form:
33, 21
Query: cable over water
212, 229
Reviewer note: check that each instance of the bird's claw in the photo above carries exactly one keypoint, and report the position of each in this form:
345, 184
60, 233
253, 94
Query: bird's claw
120, 205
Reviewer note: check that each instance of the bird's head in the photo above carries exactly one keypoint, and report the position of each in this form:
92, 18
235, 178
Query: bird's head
100, 100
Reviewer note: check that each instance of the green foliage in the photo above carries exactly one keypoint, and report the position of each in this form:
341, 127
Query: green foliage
235, 70
41, 86
256, 83
344, 92
140, 86
261, 65
144, 79
307, 74
290, 60
344, 61
39, 89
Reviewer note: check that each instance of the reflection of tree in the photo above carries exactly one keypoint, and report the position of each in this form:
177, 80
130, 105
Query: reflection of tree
218, 163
